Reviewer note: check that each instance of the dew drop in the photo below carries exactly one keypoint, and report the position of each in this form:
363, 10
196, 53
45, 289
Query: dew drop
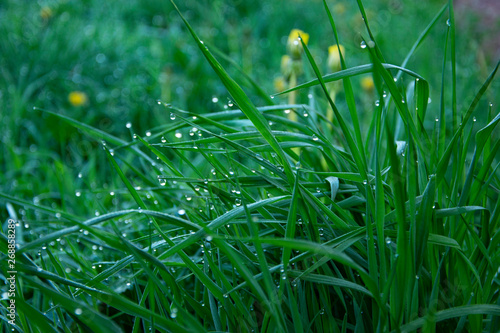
287, 111
178, 135
163, 140
78, 311
78, 193
377, 102
181, 212
314, 137
128, 125
448, 22
363, 44
172, 116
474, 119
237, 202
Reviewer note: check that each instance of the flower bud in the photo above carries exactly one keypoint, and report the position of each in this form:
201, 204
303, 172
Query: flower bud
367, 83
334, 63
286, 66
77, 98
46, 13
279, 84
293, 45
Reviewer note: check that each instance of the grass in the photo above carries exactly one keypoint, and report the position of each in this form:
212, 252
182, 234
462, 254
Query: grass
383, 218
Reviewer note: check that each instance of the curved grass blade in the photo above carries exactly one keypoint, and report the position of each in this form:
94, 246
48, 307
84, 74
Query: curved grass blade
349, 72
241, 99
93, 319
456, 312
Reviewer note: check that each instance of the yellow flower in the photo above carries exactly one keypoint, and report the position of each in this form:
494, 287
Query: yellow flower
77, 98
46, 13
334, 57
293, 45
367, 83
279, 84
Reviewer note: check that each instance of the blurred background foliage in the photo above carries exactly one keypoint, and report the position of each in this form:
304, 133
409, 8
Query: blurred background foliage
106, 63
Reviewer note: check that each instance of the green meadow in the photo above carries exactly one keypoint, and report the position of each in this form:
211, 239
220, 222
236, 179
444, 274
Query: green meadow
248, 166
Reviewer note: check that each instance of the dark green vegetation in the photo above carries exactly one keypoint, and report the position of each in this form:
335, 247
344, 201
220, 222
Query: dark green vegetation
204, 212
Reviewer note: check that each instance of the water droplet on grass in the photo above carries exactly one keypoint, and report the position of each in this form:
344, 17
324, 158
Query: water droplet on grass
314, 137
172, 116
237, 202
363, 44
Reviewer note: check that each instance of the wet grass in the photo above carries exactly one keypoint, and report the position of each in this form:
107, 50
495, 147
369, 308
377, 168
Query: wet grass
355, 208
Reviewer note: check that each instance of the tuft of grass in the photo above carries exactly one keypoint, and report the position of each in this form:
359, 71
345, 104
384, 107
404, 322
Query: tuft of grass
241, 220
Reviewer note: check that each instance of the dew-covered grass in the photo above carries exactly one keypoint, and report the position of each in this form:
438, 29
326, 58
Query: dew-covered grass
168, 174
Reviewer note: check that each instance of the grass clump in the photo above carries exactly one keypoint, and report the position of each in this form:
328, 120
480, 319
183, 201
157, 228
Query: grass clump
381, 218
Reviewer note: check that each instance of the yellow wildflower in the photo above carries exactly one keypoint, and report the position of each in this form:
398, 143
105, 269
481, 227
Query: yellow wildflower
46, 13
293, 45
279, 84
367, 83
334, 63
77, 98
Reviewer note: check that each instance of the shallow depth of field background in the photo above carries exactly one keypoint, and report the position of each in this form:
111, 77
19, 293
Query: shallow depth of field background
106, 64
125, 55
